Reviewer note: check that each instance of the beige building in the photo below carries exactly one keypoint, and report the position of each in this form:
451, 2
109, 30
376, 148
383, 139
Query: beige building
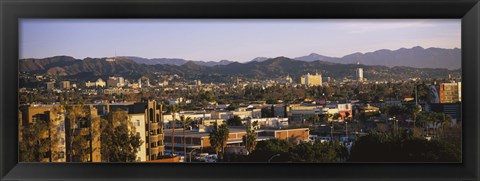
450, 92
154, 136
201, 139
87, 125
311, 80
55, 116
65, 84
98, 83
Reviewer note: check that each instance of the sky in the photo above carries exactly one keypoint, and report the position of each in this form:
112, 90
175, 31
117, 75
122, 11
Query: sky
229, 39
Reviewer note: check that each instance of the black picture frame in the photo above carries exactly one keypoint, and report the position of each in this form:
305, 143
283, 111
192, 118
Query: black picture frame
467, 10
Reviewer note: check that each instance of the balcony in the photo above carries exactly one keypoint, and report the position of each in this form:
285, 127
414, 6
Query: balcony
153, 139
81, 131
154, 151
153, 126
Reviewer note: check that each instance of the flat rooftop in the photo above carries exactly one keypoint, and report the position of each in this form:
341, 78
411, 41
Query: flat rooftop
236, 129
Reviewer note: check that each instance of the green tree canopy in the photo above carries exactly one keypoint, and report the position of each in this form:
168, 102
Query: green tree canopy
219, 137
380, 147
120, 141
235, 121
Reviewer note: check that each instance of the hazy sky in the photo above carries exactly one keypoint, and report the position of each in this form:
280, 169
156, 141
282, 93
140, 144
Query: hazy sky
236, 40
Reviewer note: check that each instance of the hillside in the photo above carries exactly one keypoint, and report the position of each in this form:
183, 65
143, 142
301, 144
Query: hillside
417, 57
90, 68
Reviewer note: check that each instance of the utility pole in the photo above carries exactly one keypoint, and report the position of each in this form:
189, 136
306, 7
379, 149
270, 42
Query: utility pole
346, 129
331, 132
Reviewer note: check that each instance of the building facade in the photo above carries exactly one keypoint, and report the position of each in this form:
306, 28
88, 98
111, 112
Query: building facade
311, 80
359, 74
450, 92
55, 117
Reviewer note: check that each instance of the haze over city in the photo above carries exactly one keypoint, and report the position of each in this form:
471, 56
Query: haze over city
234, 40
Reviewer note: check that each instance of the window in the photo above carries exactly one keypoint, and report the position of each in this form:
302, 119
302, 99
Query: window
138, 123
151, 114
61, 127
61, 155
35, 118
139, 159
62, 141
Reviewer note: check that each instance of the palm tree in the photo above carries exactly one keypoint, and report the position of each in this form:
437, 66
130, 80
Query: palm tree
185, 122
219, 137
172, 109
249, 138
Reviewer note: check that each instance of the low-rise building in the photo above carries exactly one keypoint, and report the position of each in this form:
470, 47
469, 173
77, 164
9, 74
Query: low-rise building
201, 140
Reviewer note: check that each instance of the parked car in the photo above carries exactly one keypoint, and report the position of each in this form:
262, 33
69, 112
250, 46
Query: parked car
325, 139
211, 158
201, 157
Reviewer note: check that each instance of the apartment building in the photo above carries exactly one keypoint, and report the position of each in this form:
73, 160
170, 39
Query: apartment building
54, 115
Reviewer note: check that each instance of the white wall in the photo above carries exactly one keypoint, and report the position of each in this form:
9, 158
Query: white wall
138, 120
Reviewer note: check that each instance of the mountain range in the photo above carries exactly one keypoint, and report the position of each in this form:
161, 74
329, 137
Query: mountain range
92, 68
418, 57
174, 61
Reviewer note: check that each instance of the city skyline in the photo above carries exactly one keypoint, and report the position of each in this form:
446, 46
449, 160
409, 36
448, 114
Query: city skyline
215, 40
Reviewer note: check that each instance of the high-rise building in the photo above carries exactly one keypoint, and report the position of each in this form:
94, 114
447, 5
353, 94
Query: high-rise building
84, 126
450, 92
154, 135
65, 84
302, 80
54, 116
138, 122
311, 80
112, 82
50, 85
359, 74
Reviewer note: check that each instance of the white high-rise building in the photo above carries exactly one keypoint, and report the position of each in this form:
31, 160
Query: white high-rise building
359, 74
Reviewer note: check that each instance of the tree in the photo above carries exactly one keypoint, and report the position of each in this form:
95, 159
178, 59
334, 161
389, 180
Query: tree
172, 109
35, 144
120, 142
249, 139
235, 121
77, 115
219, 137
39, 139
185, 122
265, 149
396, 149
314, 119
318, 152
231, 107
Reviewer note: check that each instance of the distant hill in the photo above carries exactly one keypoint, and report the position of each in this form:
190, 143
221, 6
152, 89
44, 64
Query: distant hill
314, 57
91, 68
88, 67
259, 59
174, 61
417, 57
